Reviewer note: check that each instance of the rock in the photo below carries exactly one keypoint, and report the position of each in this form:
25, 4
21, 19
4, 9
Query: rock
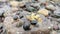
18, 13
33, 22
18, 0
32, 16
19, 24
15, 17
57, 13
56, 1
28, 0
14, 9
21, 4
43, 1
50, 7
43, 11
39, 20
58, 20
3, 0
56, 27
36, 5
7, 13
8, 21
14, 3
2, 29
58, 31
59, 26
53, 32
30, 9
26, 26
1, 13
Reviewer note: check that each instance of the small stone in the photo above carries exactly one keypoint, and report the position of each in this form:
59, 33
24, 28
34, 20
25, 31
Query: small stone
19, 24
30, 9
7, 13
2, 29
3, 0
43, 11
53, 32
15, 17
18, 0
33, 22
21, 4
14, 3
50, 7
57, 13
8, 20
37, 16
1, 13
40, 20
18, 13
26, 26
31, 17
14, 9
59, 26
21, 16
56, 27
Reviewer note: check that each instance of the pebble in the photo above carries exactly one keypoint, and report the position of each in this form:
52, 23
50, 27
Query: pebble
19, 24
51, 7
15, 17
1, 13
21, 4
53, 32
26, 26
31, 9
14, 9
45, 12
14, 3
55, 27
57, 13
33, 22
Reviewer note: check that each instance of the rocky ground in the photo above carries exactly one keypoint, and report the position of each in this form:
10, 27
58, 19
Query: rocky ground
29, 16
